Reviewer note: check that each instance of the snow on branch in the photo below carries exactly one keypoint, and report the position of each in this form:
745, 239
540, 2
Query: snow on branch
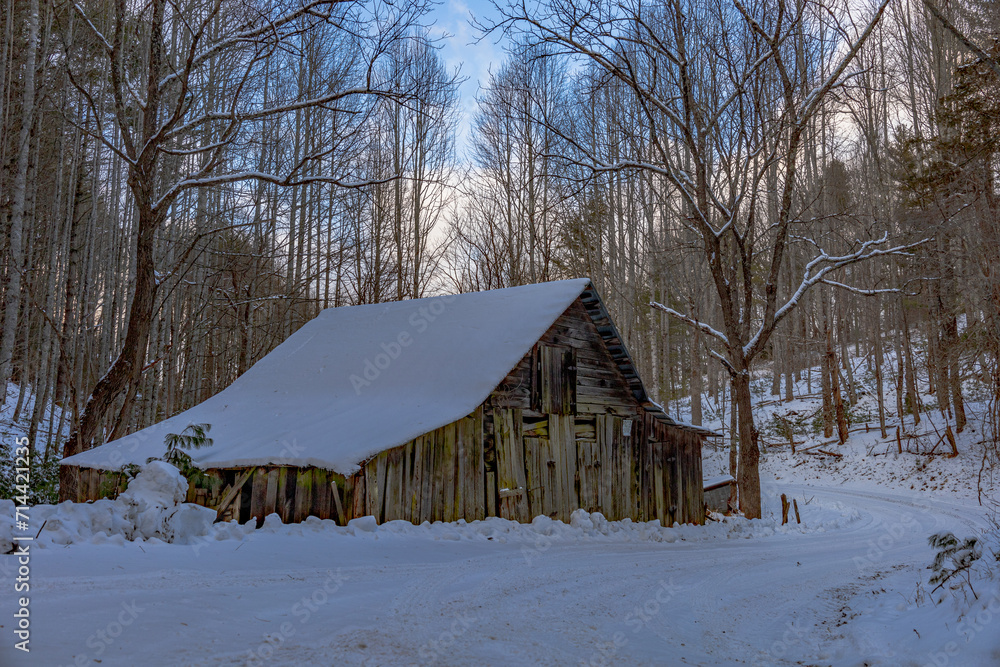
816, 272
725, 362
234, 116
875, 292
286, 181
966, 42
861, 291
93, 29
701, 326
817, 95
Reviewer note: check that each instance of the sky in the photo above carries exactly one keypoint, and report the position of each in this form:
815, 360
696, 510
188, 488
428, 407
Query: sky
460, 52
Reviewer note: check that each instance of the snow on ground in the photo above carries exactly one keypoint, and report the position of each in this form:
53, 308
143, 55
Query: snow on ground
147, 580
11, 428
866, 460
152, 508
45, 472
840, 589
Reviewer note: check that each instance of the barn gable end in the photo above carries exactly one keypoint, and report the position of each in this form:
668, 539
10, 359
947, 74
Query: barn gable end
617, 454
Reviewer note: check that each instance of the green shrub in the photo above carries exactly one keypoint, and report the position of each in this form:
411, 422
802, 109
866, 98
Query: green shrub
194, 436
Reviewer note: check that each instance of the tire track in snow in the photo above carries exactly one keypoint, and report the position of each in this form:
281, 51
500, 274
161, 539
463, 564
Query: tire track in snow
809, 592
735, 597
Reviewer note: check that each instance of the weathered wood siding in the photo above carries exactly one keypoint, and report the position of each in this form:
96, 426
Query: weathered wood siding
563, 431
638, 468
717, 498
291, 493
436, 477
600, 386
545, 467
83, 484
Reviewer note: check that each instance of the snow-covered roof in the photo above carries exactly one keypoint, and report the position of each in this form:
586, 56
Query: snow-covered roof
657, 410
715, 482
358, 380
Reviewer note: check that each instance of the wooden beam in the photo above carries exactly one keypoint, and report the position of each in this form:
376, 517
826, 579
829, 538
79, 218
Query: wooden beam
338, 506
259, 495
230, 495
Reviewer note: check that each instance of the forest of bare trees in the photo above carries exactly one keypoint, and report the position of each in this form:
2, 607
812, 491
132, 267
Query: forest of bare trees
754, 186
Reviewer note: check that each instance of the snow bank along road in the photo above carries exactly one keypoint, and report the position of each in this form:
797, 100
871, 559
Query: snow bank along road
492, 593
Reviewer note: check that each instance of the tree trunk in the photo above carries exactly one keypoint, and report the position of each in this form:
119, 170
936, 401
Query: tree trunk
826, 373
879, 383
12, 302
951, 358
748, 477
696, 382
733, 451
775, 367
911, 379
838, 399
127, 368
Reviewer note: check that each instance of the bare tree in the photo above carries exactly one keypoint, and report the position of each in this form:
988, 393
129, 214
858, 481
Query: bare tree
727, 93
421, 136
511, 198
12, 301
176, 125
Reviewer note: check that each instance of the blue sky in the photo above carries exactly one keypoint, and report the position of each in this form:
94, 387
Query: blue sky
459, 51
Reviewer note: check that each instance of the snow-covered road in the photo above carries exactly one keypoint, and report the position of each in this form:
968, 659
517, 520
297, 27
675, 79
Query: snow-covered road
455, 596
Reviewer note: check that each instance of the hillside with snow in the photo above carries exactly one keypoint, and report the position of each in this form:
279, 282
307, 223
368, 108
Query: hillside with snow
911, 457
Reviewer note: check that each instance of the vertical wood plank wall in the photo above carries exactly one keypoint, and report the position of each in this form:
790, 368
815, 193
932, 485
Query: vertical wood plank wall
573, 461
439, 476
537, 466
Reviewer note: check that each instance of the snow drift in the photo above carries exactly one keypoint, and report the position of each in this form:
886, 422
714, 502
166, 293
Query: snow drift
152, 508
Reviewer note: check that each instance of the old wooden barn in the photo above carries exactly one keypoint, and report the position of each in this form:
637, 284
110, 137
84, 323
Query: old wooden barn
513, 403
